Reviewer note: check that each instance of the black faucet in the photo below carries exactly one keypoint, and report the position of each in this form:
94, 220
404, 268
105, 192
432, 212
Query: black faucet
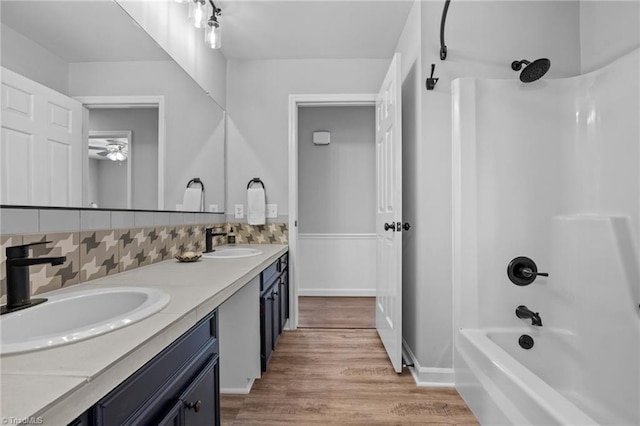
18, 286
524, 312
208, 242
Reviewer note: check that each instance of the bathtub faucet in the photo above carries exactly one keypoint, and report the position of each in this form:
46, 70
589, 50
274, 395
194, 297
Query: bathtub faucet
524, 312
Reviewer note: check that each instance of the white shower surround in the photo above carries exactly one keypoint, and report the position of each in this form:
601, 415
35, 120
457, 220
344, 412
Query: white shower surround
549, 170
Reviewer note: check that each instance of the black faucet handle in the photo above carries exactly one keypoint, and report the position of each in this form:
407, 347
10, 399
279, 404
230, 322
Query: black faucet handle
16, 252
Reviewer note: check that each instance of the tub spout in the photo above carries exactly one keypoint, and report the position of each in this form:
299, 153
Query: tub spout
524, 312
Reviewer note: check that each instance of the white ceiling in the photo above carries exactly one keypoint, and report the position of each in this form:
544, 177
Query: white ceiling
305, 29
81, 31
99, 30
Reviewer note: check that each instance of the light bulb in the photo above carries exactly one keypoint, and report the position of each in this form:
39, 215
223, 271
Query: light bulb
212, 34
200, 14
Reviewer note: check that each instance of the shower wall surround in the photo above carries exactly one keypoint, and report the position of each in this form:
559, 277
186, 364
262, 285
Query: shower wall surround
101, 243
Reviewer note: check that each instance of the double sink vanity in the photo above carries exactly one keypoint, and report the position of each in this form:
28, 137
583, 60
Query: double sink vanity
153, 345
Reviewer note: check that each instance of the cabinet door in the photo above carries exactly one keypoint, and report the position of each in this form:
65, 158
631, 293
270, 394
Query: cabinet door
200, 400
284, 299
174, 416
275, 317
266, 328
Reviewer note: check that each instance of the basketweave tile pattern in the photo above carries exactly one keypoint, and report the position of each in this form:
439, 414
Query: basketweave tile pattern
49, 277
95, 254
98, 254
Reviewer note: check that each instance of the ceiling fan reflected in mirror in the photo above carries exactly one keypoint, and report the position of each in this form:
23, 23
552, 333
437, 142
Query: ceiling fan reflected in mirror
110, 149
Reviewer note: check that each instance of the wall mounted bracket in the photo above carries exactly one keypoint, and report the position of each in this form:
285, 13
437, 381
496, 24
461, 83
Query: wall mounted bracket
431, 82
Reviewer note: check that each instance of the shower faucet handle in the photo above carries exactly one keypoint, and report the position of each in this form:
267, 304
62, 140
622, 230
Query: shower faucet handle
528, 273
523, 271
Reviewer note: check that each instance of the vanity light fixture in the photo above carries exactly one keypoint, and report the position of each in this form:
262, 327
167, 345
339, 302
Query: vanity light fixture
198, 11
212, 32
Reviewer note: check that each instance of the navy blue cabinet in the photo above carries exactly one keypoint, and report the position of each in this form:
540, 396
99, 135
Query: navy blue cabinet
274, 306
179, 386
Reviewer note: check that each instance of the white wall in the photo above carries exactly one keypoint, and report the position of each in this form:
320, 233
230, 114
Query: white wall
168, 24
336, 182
258, 108
143, 123
194, 122
608, 30
33, 61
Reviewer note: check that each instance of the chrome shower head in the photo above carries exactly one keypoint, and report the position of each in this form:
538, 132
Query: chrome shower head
532, 70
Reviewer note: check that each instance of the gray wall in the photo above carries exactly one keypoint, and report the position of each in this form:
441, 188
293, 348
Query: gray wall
21, 55
194, 123
112, 183
143, 122
337, 181
258, 113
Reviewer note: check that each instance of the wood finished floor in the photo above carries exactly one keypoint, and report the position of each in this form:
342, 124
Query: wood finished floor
337, 377
337, 312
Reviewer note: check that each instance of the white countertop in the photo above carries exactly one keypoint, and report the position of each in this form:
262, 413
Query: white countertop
60, 383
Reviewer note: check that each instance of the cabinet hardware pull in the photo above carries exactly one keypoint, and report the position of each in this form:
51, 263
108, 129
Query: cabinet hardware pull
275, 293
195, 406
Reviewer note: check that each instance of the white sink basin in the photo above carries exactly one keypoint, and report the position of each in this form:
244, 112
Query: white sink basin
70, 317
232, 252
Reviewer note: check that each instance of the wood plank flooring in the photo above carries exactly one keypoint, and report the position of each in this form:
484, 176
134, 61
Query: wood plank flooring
335, 377
337, 312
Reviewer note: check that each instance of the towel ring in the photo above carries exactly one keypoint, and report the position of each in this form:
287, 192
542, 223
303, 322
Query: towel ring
196, 180
255, 180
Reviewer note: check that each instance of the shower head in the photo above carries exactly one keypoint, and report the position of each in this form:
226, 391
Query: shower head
532, 70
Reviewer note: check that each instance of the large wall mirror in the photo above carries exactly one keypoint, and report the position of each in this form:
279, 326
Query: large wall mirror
75, 70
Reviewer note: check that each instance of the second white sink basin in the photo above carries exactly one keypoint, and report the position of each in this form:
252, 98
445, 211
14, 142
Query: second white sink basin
232, 252
70, 317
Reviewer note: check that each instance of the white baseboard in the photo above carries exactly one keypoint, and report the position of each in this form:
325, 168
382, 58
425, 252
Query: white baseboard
427, 376
337, 292
238, 391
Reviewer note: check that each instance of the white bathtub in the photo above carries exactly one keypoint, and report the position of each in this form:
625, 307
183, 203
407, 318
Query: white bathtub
505, 384
550, 171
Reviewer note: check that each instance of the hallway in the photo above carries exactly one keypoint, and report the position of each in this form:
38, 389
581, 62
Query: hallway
335, 376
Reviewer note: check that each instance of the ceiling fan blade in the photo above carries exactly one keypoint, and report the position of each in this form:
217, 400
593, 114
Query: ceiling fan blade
103, 153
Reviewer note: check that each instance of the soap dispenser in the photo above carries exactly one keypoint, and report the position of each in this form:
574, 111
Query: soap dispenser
231, 237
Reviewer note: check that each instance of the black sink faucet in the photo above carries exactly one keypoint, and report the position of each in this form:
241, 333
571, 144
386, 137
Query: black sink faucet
524, 312
208, 241
18, 286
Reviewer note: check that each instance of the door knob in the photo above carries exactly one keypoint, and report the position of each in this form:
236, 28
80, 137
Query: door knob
406, 226
390, 226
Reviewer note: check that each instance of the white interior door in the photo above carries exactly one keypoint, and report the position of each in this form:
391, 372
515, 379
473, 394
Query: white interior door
41, 144
389, 214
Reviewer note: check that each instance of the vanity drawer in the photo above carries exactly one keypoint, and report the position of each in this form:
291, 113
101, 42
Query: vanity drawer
269, 275
145, 394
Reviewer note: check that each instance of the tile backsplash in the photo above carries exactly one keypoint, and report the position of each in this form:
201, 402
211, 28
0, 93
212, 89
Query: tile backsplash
96, 253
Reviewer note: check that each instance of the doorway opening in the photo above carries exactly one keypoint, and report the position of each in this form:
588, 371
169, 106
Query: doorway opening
142, 118
331, 193
336, 216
